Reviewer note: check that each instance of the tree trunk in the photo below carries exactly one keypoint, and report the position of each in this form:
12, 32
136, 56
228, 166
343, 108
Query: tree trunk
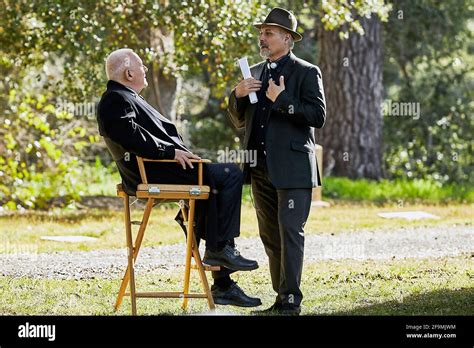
352, 74
163, 89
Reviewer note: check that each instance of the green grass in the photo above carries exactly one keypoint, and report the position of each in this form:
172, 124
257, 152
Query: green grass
396, 287
430, 286
401, 191
25, 229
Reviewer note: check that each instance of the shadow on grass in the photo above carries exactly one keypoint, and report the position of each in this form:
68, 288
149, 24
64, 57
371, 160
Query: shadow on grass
440, 302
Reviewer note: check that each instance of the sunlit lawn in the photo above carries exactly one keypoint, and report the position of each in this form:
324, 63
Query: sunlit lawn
430, 286
397, 287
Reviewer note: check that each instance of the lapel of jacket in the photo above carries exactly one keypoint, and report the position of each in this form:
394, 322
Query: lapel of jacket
153, 114
257, 70
153, 111
165, 125
288, 69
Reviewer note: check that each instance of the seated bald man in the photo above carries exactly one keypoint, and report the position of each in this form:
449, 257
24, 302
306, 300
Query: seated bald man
131, 127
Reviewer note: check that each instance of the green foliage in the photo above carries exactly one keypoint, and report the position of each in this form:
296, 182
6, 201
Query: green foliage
207, 125
213, 134
180, 37
428, 60
64, 45
100, 178
53, 51
344, 15
36, 162
402, 190
209, 36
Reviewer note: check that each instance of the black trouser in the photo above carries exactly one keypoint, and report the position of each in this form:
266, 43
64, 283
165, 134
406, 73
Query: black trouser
217, 219
228, 180
281, 214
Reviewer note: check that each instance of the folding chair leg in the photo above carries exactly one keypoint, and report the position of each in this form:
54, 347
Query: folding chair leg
138, 241
128, 231
202, 274
189, 246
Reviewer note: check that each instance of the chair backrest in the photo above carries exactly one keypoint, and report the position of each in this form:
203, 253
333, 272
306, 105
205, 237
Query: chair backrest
116, 150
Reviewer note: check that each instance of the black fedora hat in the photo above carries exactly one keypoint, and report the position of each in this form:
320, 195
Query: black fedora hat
282, 18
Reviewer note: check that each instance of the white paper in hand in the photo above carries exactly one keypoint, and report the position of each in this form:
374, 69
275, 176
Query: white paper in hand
244, 67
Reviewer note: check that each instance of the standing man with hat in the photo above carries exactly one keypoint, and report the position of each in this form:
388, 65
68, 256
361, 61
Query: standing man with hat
280, 127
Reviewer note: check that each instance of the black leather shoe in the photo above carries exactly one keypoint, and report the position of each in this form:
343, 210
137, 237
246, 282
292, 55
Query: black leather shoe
234, 296
288, 309
229, 257
280, 309
270, 310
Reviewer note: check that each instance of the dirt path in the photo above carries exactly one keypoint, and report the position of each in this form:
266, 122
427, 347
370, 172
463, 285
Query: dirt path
362, 245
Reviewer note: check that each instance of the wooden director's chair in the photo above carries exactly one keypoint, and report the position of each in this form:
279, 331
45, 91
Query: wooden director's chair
165, 193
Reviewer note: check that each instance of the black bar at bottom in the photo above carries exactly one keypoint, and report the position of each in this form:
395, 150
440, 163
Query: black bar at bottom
237, 330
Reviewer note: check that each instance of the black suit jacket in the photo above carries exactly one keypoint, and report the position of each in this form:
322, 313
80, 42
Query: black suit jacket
290, 142
131, 127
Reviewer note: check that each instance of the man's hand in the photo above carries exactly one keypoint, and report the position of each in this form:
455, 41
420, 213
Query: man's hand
184, 157
273, 90
245, 87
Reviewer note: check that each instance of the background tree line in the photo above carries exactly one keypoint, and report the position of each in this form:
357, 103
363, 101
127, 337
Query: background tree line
53, 52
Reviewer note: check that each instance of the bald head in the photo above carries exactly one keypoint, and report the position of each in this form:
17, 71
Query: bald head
126, 67
117, 62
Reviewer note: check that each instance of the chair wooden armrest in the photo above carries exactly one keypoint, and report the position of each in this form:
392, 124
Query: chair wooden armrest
173, 160
141, 166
